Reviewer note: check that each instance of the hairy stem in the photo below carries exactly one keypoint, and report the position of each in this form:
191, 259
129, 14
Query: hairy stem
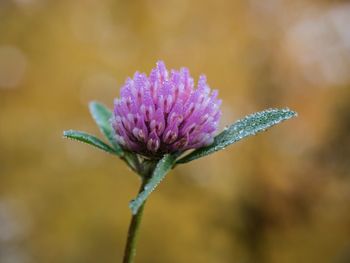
130, 247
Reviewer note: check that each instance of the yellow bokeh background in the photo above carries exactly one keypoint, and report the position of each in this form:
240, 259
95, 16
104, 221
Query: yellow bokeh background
279, 197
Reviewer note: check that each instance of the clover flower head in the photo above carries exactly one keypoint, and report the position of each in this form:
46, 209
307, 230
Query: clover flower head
163, 112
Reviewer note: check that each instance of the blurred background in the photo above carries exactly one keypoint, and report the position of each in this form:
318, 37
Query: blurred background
279, 197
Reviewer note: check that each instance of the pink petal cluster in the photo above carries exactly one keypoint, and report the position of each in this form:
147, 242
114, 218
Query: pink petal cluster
163, 112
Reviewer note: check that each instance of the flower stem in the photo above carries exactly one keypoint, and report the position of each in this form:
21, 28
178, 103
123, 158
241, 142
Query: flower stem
130, 247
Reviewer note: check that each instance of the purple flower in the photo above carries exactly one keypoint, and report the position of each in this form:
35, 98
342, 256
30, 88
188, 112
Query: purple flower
164, 113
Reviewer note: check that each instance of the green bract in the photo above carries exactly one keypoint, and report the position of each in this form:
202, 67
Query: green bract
161, 170
249, 125
102, 117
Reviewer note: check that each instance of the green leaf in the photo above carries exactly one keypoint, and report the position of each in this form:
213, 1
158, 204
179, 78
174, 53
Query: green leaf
89, 139
250, 125
102, 115
161, 170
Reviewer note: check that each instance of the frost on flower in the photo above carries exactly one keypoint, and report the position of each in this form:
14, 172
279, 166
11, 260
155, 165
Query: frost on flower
164, 113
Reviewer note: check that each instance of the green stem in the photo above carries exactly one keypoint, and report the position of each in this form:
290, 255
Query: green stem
130, 248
